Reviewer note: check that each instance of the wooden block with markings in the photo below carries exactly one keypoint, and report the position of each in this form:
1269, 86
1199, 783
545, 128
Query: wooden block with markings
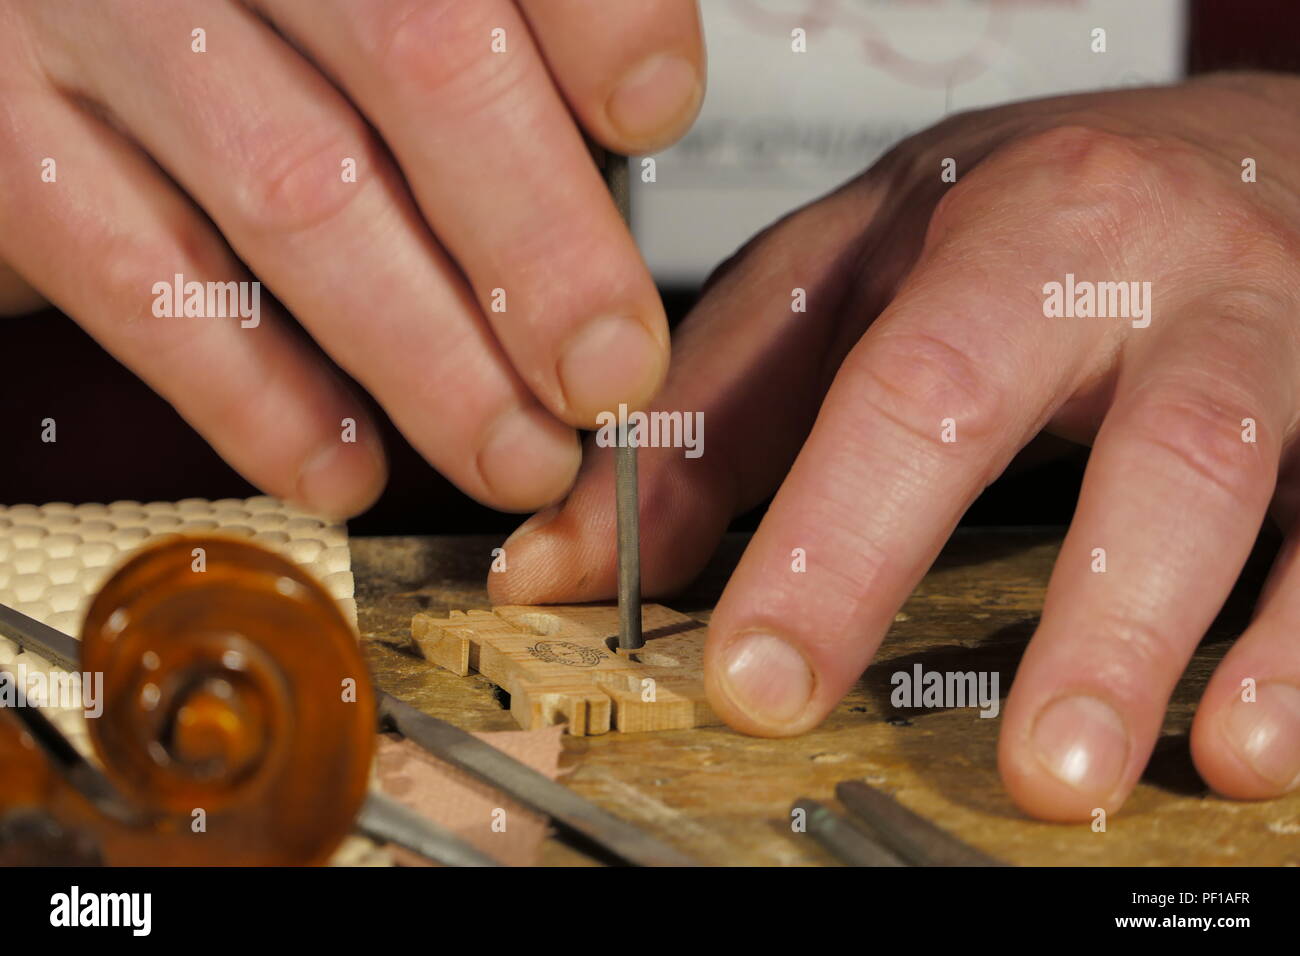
562, 665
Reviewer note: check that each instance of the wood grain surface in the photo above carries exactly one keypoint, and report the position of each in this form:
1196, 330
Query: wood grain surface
725, 797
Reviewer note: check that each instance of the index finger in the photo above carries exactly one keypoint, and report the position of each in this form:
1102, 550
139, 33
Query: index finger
951, 381
462, 96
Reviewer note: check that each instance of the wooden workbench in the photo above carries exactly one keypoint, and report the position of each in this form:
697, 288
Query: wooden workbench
725, 798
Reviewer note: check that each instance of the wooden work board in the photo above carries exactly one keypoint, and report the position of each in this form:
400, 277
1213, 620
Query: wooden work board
725, 798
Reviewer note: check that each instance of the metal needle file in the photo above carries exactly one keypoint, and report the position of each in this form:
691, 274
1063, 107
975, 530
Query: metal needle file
841, 838
569, 811
626, 496
907, 835
630, 637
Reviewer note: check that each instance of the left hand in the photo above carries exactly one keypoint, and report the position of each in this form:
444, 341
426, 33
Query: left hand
926, 303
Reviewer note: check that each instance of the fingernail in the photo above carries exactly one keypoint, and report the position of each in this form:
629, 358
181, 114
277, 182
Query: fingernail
1083, 742
767, 678
529, 459
341, 479
543, 517
654, 97
1265, 733
610, 360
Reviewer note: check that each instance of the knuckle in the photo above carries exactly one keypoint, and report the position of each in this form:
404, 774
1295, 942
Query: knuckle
917, 380
1080, 153
963, 204
294, 183
131, 266
849, 587
1083, 181
1260, 247
963, 201
129, 272
1246, 327
855, 584
1202, 435
1134, 649
950, 210
128, 276
440, 49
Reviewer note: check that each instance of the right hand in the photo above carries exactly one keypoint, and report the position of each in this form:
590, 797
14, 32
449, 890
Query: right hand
472, 175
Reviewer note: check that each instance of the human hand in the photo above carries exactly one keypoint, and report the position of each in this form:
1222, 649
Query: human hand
930, 353
412, 184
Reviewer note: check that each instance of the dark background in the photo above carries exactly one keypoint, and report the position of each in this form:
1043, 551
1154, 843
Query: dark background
118, 440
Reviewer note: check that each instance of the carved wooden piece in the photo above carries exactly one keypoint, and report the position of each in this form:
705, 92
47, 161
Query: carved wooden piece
561, 665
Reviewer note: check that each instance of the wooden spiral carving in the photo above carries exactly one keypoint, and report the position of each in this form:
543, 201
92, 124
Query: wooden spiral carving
238, 715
